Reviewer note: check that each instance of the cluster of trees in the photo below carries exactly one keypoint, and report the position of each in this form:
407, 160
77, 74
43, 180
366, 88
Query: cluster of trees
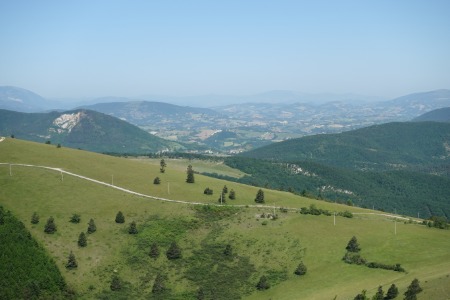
392, 293
437, 222
352, 256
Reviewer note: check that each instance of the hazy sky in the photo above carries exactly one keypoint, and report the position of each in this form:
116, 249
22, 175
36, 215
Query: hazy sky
129, 48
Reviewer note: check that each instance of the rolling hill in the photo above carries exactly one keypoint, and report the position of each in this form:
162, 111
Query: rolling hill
85, 129
259, 246
18, 99
402, 167
391, 146
437, 115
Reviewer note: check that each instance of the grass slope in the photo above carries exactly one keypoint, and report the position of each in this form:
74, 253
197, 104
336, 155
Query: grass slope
274, 249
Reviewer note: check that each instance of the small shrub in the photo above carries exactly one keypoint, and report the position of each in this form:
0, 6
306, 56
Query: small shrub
156, 180
133, 228
35, 218
76, 218
208, 191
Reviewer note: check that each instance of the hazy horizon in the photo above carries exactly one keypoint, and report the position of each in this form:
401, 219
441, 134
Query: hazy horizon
84, 49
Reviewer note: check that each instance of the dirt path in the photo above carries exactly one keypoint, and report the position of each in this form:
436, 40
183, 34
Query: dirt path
176, 201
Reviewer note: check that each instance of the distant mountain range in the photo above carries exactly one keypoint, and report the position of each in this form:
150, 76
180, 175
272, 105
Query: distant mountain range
256, 121
85, 129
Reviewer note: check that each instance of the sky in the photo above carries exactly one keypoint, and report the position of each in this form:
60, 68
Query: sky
224, 47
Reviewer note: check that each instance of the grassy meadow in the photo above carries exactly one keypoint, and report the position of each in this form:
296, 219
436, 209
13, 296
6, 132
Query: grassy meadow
260, 246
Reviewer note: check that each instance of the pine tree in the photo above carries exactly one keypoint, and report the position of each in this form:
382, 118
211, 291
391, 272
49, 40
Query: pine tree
116, 283
91, 226
120, 217
190, 175
228, 250
156, 180
174, 252
158, 285
232, 195
260, 196
379, 295
133, 228
35, 218
154, 251
82, 241
392, 292
263, 284
413, 289
353, 245
225, 189
301, 269
72, 262
162, 165
50, 227
361, 296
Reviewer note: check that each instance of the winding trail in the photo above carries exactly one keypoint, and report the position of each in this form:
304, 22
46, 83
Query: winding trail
176, 201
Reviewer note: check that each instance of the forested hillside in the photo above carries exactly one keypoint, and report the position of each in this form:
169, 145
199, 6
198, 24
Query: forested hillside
392, 146
406, 192
88, 130
437, 115
27, 270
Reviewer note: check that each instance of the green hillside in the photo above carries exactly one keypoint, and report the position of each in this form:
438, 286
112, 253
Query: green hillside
437, 115
88, 130
259, 246
392, 146
407, 192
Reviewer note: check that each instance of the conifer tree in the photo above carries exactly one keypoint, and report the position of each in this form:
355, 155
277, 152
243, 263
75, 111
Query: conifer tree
50, 227
156, 180
91, 226
162, 165
379, 295
76, 218
154, 251
361, 296
72, 262
190, 174
133, 228
174, 252
263, 284
228, 250
353, 245
82, 241
259, 196
392, 292
35, 218
225, 189
120, 218
232, 195
116, 283
413, 289
158, 285
301, 269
